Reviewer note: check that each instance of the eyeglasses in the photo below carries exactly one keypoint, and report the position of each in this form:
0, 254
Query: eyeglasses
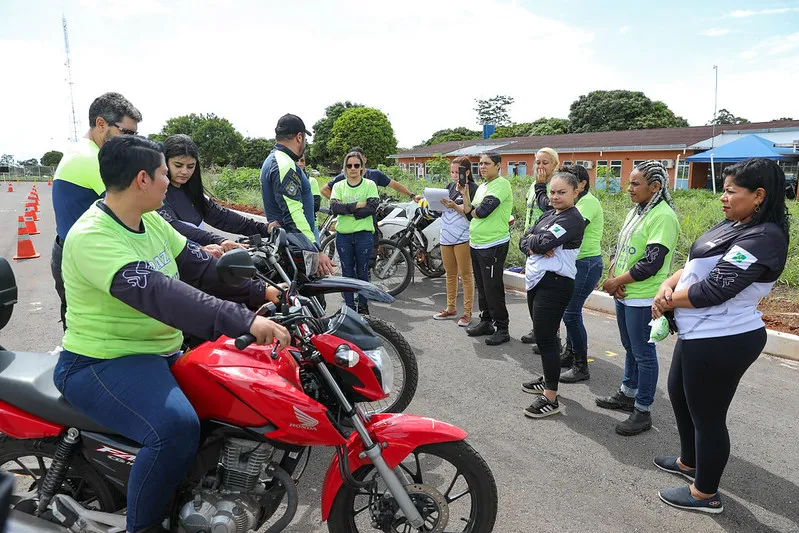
353, 165
124, 131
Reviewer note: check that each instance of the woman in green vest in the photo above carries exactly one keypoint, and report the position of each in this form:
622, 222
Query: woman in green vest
355, 201
641, 262
489, 214
589, 270
546, 165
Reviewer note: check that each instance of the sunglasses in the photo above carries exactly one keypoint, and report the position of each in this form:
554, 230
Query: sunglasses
353, 165
124, 131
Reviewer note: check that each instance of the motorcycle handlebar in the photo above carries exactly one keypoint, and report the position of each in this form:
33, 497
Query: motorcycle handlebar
244, 340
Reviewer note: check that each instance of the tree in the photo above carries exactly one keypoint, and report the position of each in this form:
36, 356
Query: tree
7, 160
52, 158
781, 119
513, 130
366, 127
494, 110
452, 134
323, 132
725, 117
216, 138
620, 110
550, 126
253, 152
32, 162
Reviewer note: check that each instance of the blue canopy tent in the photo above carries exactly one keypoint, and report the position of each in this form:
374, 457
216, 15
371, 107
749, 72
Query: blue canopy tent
744, 148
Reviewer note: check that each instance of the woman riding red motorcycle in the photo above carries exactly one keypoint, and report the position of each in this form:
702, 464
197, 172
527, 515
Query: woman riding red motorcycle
126, 273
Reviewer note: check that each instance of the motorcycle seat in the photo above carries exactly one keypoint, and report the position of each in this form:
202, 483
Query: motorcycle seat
26, 382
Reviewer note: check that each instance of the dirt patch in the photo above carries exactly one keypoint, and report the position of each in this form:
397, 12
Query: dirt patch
244, 208
781, 309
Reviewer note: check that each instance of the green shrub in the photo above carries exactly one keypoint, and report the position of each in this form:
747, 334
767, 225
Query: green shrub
230, 184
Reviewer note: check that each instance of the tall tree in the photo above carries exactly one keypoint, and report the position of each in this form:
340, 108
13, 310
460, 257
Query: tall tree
216, 138
452, 134
494, 110
7, 160
781, 119
725, 117
620, 110
366, 127
253, 152
550, 126
513, 130
52, 158
323, 132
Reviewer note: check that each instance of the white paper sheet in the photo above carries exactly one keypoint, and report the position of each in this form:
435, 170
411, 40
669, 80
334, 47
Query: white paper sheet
434, 197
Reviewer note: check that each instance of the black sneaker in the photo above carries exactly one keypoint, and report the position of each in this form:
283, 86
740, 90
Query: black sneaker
542, 407
668, 463
618, 401
482, 328
529, 338
638, 422
681, 498
536, 386
500, 336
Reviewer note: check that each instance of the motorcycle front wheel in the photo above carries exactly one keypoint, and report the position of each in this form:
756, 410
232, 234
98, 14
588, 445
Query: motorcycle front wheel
451, 485
393, 268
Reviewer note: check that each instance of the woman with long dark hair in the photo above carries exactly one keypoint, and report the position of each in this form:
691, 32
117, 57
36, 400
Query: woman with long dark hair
720, 331
455, 244
589, 270
640, 263
186, 198
551, 245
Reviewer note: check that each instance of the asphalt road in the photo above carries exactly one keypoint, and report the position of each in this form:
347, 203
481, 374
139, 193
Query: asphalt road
567, 473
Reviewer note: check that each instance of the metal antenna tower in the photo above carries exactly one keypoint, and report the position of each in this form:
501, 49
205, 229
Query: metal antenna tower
69, 80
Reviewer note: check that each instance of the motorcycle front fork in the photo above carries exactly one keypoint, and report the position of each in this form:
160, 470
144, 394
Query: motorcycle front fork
373, 451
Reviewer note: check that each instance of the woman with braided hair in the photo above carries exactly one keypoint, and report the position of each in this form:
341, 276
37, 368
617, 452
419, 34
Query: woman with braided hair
640, 263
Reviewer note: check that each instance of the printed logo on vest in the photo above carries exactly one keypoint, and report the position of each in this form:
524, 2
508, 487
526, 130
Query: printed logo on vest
557, 230
740, 257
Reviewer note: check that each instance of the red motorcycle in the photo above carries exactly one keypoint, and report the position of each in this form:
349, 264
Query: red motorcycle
261, 412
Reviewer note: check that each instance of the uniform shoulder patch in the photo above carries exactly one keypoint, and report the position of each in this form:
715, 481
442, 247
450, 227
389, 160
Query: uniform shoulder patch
557, 230
740, 257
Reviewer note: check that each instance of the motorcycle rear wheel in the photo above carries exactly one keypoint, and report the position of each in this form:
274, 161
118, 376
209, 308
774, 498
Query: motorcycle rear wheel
395, 277
29, 459
425, 466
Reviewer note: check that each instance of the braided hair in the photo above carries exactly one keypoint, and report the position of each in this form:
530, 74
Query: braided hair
654, 172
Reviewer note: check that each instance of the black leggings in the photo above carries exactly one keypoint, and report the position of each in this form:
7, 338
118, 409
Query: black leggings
547, 301
702, 381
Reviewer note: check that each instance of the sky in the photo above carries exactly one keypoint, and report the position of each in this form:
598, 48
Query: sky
422, 62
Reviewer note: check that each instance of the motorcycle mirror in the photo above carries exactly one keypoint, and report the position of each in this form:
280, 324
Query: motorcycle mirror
279, 237
235, 267
8, 292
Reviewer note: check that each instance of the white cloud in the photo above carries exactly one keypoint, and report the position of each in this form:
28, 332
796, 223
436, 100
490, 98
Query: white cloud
773, 46
122, 9
715, 32
744, 13
624, 29
748, 54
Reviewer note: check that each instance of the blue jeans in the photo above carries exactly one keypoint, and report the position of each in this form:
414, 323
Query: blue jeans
354, 251
137, 397
589, 270
641, 363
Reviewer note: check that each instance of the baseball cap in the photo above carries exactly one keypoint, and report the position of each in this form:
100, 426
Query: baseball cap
290, 124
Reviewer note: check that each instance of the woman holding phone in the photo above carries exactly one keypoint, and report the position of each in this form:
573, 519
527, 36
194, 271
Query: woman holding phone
455, 242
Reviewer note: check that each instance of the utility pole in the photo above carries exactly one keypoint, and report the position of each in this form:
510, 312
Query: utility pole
715, 106
69, 80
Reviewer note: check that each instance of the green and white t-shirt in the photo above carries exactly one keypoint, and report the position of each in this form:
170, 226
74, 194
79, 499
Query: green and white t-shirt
493, 229
97, 247
591, 209
659, 226
347, 194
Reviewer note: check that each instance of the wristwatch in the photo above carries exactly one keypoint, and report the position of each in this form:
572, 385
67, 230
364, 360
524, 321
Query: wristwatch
412, 196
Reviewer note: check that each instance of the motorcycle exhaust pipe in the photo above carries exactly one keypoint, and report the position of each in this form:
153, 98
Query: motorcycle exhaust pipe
19, 522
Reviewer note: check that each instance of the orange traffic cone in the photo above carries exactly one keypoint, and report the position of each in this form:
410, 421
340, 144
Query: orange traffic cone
10, 187
30, 226
25, 248
30, 211
49, 183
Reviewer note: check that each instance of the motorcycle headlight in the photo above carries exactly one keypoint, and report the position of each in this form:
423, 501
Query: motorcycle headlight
382, 361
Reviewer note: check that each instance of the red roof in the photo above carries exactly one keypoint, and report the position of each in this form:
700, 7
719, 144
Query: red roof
661, 138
